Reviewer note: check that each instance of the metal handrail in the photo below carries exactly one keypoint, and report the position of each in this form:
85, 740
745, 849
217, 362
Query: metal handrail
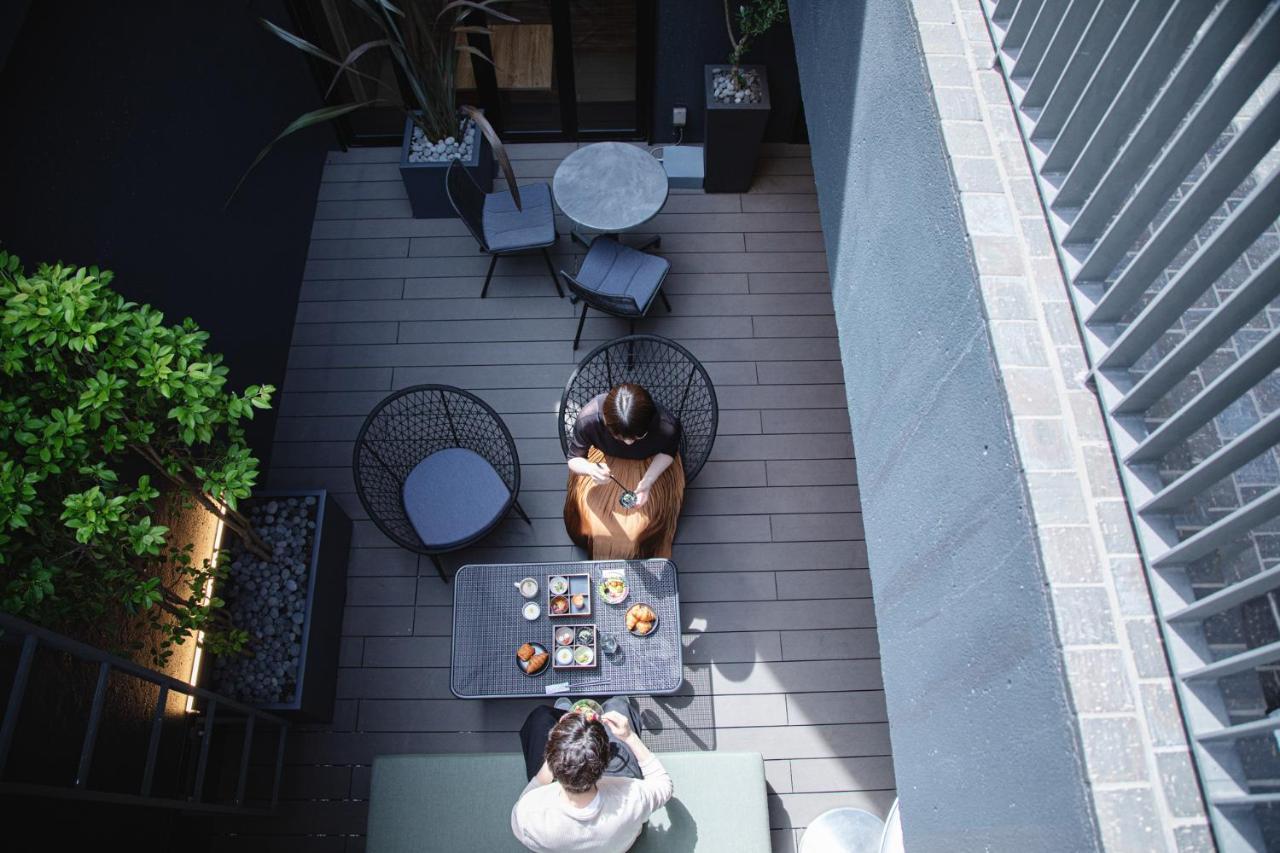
34, 636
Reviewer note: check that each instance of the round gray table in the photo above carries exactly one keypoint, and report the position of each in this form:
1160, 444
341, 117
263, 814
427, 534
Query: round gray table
610, 187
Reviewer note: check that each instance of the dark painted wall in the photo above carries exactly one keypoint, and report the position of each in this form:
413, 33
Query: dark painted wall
984, 744
690, 34
127, 125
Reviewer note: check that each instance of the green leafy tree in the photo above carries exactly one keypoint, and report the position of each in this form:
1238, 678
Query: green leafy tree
755, 18
100, 398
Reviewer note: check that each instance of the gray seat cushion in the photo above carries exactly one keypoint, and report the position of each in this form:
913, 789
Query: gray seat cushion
451, 496
617, 270
463, 802
507, 229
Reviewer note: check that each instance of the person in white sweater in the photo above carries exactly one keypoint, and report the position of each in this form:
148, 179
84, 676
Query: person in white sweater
597, 784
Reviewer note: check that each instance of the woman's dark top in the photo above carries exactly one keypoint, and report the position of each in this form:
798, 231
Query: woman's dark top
590, 431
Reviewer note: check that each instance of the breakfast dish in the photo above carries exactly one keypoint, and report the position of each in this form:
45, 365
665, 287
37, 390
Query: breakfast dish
564, 656
583, 655
579, 602
589, 706
585, 636
613, 590
531, 610
532, 658
559, 605
558, 585
564, 636
641, 619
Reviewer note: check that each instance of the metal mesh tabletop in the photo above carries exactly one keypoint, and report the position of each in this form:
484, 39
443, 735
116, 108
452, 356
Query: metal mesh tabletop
488, 628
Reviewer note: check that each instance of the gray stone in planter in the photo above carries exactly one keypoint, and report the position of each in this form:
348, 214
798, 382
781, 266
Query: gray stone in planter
424, 182
309, 618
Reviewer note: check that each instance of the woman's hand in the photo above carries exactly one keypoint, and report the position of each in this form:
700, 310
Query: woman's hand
600, 473
618, 724
642, 494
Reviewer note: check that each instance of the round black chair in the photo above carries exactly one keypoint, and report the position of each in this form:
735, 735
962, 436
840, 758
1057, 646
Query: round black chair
673, 377
436, 469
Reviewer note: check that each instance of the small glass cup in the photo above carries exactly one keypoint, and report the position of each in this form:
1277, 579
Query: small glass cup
628, 499
609, 643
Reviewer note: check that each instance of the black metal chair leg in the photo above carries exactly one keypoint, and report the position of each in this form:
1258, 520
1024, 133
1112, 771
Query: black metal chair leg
439, 567
555, 279
665, 301
485, 291
523, 514
581, 321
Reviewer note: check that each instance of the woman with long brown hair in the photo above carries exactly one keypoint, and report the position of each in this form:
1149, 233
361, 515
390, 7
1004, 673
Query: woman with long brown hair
622, 442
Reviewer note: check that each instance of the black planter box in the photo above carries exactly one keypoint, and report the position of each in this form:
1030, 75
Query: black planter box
424, 182
322, 624
733, 134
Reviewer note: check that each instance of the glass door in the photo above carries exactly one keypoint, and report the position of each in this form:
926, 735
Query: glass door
606, 43
524, 80
565, 69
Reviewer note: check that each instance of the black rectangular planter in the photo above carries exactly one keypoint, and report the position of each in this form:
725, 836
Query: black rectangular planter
322, 623
733, 134
424, 182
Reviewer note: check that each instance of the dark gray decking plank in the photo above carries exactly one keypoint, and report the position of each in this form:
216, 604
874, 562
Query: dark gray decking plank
779, 641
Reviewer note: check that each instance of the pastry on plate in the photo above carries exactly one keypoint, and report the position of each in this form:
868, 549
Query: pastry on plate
525, 652
537, 662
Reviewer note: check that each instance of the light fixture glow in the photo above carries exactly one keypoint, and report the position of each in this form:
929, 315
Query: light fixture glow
206, 595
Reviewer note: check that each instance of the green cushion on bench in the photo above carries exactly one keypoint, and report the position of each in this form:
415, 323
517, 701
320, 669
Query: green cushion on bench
463, 802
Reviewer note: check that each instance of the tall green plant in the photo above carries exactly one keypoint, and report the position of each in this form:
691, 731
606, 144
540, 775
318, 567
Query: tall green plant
421, 40
755, 18
100, 397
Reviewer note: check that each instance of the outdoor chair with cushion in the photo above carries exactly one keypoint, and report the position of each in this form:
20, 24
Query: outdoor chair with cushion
436, 469
618, 280
673, 377
498, 225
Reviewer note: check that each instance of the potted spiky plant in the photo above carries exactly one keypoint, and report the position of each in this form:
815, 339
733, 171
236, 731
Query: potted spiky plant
737, 99
422, 41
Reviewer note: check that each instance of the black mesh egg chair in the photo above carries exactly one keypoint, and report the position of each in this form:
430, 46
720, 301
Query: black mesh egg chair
436, 469
673, 377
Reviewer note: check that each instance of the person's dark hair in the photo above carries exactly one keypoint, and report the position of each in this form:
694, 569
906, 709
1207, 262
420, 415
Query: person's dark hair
628, 410
577, 752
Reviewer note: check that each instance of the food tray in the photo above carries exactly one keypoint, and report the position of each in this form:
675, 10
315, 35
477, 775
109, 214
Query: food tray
577, 598
580, 640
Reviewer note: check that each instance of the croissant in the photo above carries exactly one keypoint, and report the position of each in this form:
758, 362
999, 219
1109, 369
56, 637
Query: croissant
525, 652
631, 620
645, 613
537, 662
644, 626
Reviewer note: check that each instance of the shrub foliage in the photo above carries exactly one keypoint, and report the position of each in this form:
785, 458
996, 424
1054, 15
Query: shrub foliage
102, 402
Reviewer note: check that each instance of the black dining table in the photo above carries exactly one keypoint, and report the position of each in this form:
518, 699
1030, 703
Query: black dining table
489, 627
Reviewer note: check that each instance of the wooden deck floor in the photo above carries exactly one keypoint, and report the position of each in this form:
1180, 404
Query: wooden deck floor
781, 654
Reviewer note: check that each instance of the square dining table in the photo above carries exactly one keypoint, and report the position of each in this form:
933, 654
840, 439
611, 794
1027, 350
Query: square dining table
488, 628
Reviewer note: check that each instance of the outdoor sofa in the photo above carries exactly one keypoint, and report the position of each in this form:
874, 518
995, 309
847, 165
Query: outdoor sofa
460, 802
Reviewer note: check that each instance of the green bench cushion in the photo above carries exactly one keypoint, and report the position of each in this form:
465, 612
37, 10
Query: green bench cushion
463, 802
